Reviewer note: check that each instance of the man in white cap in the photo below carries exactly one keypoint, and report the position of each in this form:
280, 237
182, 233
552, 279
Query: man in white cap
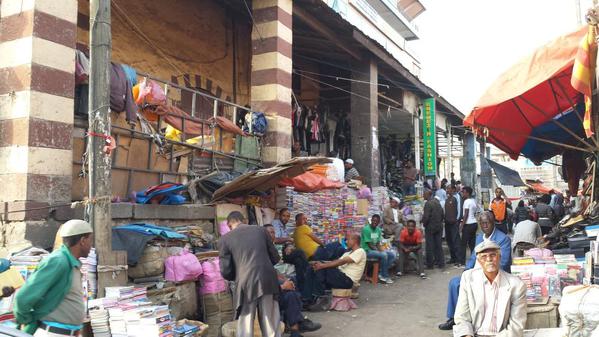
51, 301
393, 220
350, 170
492, 302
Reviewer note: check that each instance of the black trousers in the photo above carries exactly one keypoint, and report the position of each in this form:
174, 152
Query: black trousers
452, 236
299, 260
318, 281
468, 240
434, 248
290, 304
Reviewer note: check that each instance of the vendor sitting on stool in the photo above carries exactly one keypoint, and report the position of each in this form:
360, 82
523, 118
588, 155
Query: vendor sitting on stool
342, 273
311, 245
371, 243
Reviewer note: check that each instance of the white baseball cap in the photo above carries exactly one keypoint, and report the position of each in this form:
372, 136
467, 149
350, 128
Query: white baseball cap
75, 227
349, 161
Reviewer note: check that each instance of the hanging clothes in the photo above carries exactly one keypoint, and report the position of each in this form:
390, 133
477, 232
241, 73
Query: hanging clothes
121, 95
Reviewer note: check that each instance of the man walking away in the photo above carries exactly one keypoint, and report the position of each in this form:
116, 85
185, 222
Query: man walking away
468, 224
50, 304
410, 241
452, 234
371, 243
247, 256
499, 207
432, 220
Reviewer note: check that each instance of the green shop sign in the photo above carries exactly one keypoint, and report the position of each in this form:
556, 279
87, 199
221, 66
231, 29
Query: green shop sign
429, 138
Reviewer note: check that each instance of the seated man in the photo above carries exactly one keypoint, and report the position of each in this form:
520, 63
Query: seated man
393, 220
492, 302
410, 241
342, 273
311, 245
487, 225
290, 302
371, 243
280, 226
527, 235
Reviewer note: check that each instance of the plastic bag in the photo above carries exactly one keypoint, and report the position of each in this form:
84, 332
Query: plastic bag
148, 92
183, 267
579, 310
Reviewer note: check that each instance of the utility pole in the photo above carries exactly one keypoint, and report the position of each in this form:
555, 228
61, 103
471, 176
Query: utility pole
99, 161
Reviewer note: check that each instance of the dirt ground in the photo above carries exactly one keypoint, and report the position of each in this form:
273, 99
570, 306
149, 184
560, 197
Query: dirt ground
409, 307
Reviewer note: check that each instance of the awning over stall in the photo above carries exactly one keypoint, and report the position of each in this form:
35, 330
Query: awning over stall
506, 175
265, 179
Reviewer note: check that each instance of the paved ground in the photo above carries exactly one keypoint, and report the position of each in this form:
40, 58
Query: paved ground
409, 307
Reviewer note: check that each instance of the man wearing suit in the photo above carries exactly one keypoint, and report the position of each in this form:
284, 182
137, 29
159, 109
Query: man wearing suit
489, 232
247, 256
492, 302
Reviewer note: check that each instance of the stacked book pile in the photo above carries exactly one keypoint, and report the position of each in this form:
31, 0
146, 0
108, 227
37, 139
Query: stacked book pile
149, 321
89, 268
521, 261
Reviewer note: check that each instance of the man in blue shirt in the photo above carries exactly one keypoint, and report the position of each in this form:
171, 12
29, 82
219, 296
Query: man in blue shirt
487, 226
280, 226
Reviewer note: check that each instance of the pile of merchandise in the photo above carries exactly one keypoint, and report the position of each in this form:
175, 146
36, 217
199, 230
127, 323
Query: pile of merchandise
89, 278
380, 200
330, 212
126, 312
546, 277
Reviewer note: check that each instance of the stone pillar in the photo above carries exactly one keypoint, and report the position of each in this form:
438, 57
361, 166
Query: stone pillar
272, 39
37, 65
364, 117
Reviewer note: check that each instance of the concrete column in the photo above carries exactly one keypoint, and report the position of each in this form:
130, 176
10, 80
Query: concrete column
468, 161
272, 39
365, 121
37, 65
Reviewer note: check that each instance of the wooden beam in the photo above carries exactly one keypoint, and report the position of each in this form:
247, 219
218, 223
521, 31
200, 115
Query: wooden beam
309, 20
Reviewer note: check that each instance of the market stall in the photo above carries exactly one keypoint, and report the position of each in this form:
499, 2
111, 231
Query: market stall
537, 109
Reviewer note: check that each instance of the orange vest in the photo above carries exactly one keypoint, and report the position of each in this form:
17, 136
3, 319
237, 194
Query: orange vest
499, 210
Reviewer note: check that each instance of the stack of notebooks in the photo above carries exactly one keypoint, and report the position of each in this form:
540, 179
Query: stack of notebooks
525, 260
150, 321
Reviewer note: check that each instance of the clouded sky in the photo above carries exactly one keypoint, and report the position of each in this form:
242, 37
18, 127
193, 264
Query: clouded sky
466, 44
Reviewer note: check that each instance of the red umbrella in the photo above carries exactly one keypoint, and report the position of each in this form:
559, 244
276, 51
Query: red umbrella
529, 94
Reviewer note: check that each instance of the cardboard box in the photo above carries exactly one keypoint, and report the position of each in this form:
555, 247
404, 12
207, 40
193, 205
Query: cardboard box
362, 206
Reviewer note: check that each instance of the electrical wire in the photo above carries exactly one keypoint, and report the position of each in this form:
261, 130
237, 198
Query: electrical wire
342, 78
253, 21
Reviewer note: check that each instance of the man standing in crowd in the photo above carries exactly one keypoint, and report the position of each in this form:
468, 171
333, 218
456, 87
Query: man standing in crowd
468, 224
432, 220
350, 171
545, 214
392, 219
499, 207
409, 179
371, 243
492, 302
342, 273
487, 226
452, 213
527, 235
247, 256
280, 226
51, 301
410, 241
290, 302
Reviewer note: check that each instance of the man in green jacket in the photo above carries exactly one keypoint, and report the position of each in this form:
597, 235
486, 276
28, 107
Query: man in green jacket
50, 304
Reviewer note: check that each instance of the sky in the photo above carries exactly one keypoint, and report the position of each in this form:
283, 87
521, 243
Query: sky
466, 44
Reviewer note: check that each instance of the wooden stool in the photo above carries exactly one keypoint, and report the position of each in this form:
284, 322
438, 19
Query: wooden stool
342, 301
375, 263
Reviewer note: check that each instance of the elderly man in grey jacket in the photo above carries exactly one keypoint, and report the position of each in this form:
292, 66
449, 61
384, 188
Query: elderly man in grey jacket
491, 302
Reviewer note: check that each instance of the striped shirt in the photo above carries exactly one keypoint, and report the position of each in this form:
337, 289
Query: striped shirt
351, 174
489, 326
